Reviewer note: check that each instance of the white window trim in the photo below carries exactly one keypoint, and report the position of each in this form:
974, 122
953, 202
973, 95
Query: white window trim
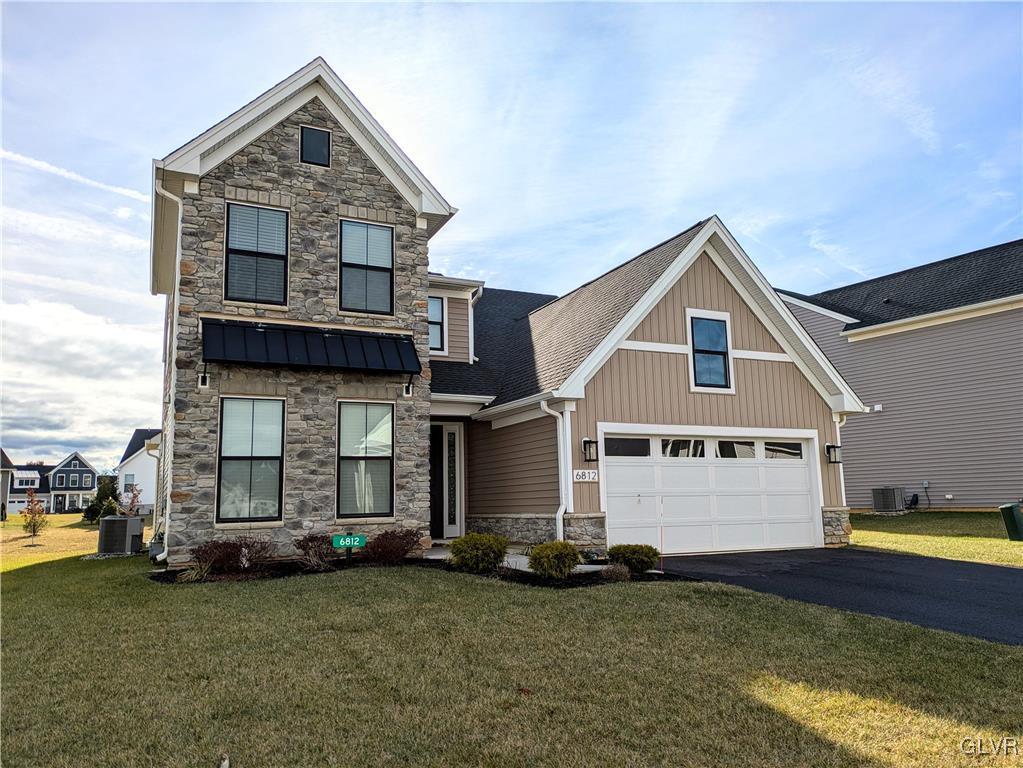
60, 481
444, 351
74, 464
74, 481
394, 270
330, 146
709, 314
86, 481
337, 464
243, 523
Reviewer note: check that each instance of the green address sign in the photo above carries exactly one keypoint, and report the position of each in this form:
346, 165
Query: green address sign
349, 540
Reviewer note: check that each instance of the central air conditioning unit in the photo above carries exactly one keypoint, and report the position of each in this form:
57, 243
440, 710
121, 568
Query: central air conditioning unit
120, 535
888, 501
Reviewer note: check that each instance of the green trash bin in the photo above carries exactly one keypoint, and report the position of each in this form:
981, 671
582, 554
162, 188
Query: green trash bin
1013, 518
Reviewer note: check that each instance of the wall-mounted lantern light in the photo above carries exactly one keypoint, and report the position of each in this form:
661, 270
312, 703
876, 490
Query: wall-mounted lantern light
834, 453
589, 449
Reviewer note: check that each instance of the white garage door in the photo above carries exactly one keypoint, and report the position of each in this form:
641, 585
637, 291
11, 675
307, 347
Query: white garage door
711, 494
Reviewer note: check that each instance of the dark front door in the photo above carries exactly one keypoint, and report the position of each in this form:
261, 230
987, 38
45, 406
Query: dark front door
437, 482
58, 503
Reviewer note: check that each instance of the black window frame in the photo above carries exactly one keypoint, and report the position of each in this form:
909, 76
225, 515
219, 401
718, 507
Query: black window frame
440, 324
301, 145
228, 251
339, 458
714, 352
279, 458
367, 267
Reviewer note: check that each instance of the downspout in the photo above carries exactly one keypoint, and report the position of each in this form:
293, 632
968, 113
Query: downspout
162, 557
559, 516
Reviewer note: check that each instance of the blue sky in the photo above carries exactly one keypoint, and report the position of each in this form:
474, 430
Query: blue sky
837, 142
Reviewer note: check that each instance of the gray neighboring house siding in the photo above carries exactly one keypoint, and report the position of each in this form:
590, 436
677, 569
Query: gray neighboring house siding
952, 399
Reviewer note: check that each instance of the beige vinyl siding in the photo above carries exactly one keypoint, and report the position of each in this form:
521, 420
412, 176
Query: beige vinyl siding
704, 287
653, 388
952, 398
513, 470
458, 331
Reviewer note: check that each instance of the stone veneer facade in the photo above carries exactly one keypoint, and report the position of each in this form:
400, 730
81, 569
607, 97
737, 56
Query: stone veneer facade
836, 526
585, 530
268, 172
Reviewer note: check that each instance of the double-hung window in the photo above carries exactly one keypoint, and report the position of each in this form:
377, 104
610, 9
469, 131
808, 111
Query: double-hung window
87, 481
74, 481
709, 335
257, 255
250, 464
367, 268
365, 462
436, 324
129, 481
60, 481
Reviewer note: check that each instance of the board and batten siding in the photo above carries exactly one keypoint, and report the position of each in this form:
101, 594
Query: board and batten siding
952, 409
458, 331
513, 470
642, 387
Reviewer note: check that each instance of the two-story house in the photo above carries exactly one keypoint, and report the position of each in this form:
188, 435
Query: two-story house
136, 470
319, 378
63, 487
936, 351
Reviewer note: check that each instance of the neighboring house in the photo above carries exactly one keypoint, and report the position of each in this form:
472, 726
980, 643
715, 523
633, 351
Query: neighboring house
137, 469
62, 487
7, 470
936, 352
319, 378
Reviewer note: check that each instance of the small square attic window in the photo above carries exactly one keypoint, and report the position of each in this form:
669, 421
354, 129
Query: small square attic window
315, 146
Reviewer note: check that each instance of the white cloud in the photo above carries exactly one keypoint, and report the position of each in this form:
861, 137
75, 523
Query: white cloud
839, 254
67, 286
123, 212
45, 167
754, 223
67, 229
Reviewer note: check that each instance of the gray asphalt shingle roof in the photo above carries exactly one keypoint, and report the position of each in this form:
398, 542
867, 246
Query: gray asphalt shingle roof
138, 441
959, 281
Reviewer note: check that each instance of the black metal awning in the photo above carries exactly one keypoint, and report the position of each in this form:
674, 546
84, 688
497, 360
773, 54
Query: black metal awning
298, 346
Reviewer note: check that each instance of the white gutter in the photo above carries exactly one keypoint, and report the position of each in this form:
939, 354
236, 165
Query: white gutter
564, 492
162, 557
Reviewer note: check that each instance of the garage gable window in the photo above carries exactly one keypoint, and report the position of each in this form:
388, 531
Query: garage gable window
710, 366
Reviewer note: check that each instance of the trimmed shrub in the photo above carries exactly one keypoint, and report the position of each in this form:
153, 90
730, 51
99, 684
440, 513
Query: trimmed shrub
554, 559
616, 572
638, 558
232, 555
391, 547
478, 553
317, 551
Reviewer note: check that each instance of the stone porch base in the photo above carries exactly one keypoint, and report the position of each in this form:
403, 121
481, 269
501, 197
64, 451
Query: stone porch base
584, 529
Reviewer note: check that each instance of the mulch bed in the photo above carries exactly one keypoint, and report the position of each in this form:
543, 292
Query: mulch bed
287, 568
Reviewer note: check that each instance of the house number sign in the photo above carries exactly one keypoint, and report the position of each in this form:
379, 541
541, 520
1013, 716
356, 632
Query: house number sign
584, 475
349, 540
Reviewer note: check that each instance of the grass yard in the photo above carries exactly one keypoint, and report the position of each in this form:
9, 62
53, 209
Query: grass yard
409, 666
976, 536
64, 536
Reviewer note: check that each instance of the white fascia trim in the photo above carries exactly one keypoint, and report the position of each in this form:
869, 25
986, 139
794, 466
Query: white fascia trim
819, 310
683, 349
449, 293
199, 155
68, 458
464, 283
801, 333
454, 409
753, 354
515, 405
442, 397
994, 306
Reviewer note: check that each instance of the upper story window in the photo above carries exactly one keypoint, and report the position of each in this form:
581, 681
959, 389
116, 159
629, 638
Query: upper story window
257, 254
436, 324
315, 146
250, 477
74, 481
711, 360
74, 464
60, 481
87, 481
129, 481
367, 268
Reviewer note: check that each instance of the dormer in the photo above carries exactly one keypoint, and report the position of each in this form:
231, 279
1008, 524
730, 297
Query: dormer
450, 317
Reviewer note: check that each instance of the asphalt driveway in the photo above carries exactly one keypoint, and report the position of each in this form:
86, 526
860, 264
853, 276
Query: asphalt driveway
968, 598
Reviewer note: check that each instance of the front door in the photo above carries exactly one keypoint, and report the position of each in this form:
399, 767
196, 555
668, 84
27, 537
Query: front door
58, 503
446, 481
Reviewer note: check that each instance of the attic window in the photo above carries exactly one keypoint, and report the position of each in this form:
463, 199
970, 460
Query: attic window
315, 146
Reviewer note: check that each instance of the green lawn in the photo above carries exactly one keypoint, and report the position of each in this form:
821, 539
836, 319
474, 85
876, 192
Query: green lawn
976, 536
64, 535
409, 666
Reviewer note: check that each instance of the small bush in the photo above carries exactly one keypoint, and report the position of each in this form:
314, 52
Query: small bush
317, 551
638, 558
232, 555
391, 547
109, 507
478, 552
616, 572
553, 559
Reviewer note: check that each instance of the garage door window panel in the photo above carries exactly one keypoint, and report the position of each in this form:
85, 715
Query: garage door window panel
682, 449
627, 446
736, 449
775, 450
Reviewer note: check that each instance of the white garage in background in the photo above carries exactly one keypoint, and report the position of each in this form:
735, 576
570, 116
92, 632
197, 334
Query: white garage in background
710, 489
